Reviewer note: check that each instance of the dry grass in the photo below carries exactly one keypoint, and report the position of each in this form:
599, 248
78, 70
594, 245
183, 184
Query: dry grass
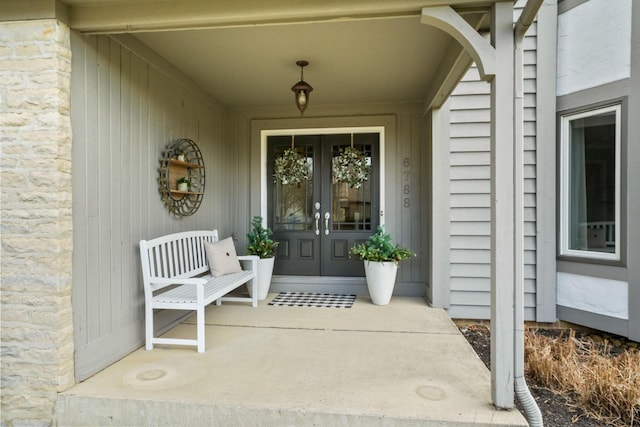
605, 385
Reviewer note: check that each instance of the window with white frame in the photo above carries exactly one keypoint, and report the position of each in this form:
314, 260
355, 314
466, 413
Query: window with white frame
590, 184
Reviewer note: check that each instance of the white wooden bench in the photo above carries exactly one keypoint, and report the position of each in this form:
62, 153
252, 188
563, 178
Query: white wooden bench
176, 276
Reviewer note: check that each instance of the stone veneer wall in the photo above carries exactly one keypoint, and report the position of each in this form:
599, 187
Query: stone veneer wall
35, 136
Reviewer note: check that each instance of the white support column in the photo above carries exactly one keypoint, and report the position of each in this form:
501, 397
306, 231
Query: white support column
502, 208
440, 271
546, 39
633, 176
495, 62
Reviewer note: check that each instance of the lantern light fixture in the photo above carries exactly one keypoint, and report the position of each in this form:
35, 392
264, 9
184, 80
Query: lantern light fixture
301, 89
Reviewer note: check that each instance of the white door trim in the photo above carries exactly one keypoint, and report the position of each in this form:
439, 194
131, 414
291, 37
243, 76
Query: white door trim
265, 180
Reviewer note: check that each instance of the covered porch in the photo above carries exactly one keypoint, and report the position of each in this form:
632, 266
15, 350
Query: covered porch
403, 364
130, 77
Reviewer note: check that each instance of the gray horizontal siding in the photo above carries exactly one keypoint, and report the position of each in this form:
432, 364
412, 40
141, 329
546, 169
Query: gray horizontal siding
469, 198
470, 188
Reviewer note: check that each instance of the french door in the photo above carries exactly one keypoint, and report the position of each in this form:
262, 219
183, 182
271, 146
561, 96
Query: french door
318, 220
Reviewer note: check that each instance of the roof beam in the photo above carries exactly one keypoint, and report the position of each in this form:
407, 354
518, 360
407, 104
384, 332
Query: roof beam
527, 16
134, 16
16, 10
451, 69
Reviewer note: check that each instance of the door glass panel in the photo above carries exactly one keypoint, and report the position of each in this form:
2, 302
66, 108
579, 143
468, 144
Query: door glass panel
294, 202
351, 207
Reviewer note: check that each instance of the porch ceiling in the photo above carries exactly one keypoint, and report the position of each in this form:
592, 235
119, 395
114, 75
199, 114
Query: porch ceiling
382, 60
359, 52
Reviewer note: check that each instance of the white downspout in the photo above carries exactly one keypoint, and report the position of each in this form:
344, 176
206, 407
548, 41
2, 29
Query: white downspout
532, 411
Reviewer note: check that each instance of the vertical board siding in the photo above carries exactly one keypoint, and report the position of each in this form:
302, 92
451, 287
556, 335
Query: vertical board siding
408, 180
125, 109
470, 192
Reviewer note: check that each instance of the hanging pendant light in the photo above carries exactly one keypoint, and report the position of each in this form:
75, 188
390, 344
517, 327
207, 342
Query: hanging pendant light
301, 89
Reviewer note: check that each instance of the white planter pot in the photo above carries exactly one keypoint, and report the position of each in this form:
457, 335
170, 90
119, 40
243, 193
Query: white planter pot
381, 278
183, 186
265, 270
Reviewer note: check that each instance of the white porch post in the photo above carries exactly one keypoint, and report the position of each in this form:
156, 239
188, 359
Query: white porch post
495, 62
502, 208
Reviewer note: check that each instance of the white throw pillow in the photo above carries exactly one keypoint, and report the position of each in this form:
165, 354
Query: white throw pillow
222, 257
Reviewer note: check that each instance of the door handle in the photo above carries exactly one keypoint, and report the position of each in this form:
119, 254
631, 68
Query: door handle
327, 215
317, 217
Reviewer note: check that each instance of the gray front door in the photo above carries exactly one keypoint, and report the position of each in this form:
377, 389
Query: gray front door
320, 219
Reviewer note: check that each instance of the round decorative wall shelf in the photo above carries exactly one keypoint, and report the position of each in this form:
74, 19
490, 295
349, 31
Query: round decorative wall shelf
182, 177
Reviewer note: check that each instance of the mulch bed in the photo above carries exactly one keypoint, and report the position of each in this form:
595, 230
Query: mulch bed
557, 409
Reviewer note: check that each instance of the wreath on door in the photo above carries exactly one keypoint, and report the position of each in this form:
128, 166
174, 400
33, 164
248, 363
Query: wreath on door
291, 167
350, 166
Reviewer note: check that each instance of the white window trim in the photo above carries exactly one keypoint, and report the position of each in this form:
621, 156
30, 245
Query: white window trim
564, 185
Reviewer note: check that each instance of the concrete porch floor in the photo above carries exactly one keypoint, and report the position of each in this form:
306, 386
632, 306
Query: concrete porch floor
404, 364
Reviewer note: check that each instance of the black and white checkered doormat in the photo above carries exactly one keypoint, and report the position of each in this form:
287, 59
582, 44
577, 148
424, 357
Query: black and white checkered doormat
308, 299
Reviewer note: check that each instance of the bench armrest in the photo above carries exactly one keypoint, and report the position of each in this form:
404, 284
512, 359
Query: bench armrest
252, 260
161, 282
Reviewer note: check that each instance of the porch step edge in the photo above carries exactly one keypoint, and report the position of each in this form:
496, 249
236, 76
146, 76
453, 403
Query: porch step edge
73, 410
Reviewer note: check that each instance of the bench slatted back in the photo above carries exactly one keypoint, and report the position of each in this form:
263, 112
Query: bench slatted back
608, 228
175, 255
